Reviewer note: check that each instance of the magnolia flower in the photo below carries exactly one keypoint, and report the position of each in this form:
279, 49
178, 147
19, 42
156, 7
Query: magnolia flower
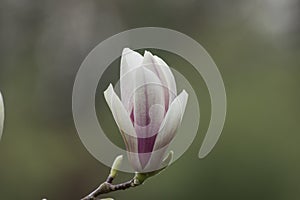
149, 111
1, 114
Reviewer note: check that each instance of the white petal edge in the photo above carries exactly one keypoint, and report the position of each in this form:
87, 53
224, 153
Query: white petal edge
164, 73
120, 114
130, 60
169, 77
1, 114
171, 121
124, 123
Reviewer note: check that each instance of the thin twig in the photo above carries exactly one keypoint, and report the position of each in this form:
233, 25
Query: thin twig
108, 187
137, 180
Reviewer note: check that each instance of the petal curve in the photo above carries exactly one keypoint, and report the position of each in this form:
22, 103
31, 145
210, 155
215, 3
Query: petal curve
130, 60
123, 121
171, 121
119, 112
163, 72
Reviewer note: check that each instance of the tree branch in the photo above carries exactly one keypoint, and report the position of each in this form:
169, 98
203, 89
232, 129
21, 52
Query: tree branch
107, 187
137, 180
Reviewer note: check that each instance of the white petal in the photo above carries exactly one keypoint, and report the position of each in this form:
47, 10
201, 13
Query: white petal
170, 80
156, 159
171, 121
121, 116
162, 70
133, 155
148, 103
1, 114
125, 125
129, 62
149, 111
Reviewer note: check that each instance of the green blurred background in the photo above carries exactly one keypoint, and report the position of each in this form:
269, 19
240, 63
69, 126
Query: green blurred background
256, 45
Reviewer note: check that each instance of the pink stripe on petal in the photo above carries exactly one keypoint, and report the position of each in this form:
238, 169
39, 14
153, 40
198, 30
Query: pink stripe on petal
148, 110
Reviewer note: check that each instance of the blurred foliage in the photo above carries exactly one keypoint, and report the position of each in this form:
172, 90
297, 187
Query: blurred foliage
255, 45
